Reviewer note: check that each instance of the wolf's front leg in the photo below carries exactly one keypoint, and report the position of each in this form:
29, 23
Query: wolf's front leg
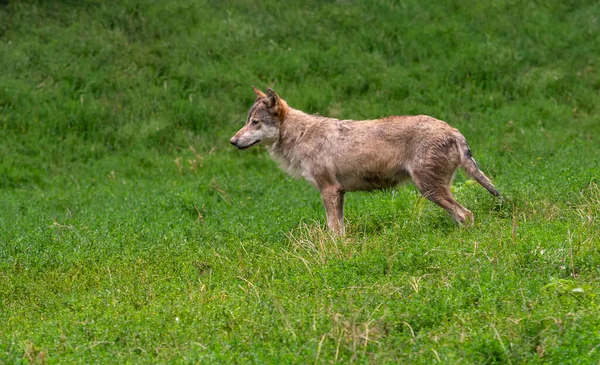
333, 199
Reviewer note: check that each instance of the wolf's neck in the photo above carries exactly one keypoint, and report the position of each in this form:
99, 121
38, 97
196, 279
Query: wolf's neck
296, 125
288, 148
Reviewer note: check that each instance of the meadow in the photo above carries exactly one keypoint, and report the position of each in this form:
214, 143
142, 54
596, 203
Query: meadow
132, 232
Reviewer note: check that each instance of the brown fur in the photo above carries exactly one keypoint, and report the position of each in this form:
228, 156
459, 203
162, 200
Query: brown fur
337, 156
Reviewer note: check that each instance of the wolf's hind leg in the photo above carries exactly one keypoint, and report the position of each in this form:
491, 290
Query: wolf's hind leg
438, 191
445, 200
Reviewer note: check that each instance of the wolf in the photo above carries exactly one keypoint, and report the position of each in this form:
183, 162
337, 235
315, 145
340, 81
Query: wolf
339, 156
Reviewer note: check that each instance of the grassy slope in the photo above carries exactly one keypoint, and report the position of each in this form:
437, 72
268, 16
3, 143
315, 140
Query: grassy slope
131, 232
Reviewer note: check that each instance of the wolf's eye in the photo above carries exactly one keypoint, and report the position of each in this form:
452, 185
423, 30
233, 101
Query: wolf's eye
255, 121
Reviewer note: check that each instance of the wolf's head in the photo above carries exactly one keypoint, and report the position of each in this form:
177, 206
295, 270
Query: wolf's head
264, 119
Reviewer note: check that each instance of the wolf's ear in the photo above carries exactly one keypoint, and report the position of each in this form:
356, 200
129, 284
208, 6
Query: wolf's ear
259, 94
272, 98
277, 106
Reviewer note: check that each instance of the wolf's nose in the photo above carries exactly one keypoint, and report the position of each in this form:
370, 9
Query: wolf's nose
233, 141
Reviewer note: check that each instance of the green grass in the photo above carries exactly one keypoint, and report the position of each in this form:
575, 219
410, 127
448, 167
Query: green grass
131, 232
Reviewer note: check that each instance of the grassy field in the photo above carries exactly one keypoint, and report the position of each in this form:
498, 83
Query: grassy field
132, 232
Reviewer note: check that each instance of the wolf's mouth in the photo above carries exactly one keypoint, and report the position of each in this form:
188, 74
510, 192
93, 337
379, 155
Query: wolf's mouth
248, 146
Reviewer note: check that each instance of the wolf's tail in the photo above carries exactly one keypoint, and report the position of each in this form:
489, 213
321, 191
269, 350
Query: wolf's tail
470, 166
